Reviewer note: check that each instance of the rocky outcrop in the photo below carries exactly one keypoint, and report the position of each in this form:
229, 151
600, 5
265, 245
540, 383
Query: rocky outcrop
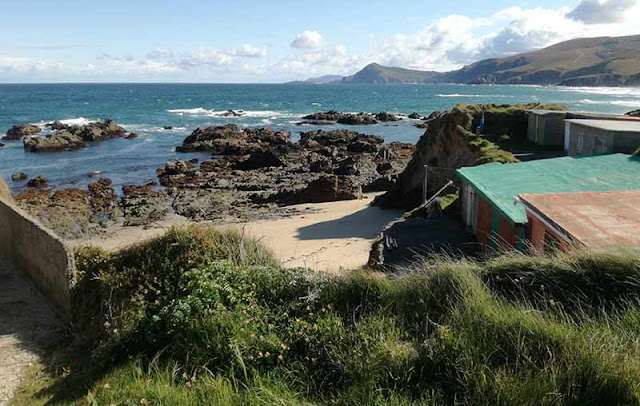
57, 125
232, 140
59, 141
349, 118
633, 113
450, 143
269, 170
18, 176
142, 205
67, 138
415, 116
357, 119
19, 131
385, 117
102, 198
38, 181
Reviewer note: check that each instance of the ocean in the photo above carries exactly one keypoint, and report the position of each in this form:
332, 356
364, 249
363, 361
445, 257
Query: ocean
147, 108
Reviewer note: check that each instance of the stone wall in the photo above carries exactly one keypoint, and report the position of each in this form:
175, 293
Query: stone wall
43, 256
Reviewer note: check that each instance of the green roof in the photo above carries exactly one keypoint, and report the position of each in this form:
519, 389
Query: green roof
501, 183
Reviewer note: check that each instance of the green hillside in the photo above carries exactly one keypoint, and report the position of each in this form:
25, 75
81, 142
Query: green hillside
603, 61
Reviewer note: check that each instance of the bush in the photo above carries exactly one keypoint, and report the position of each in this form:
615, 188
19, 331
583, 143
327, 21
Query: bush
194, 321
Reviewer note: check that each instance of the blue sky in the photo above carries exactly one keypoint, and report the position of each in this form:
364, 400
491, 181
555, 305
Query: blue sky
272, 41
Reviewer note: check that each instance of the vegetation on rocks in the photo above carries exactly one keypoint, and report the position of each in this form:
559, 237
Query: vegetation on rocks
198, 317
451, 141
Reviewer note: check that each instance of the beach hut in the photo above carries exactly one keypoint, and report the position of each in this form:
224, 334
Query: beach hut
489, 191
596, 220
588, 137
546, 127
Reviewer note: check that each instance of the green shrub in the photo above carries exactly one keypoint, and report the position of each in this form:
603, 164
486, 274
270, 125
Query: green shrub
197, 317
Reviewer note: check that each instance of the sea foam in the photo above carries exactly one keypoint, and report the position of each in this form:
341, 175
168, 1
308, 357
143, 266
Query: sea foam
202, 112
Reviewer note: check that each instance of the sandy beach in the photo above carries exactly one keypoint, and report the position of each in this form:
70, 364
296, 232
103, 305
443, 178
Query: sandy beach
328, 237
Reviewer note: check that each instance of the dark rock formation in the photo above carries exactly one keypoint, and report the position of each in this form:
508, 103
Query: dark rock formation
357, 119
102, 198
57, 125
260, 169
385, 117
168, 127
633, 113
330, 115
59, 141
38, 181
19, 131
141, 205
232, 140
18, 176
67, 138
415, 116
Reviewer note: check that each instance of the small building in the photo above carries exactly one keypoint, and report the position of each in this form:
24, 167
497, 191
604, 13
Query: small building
488, 191
596, 220
546, 127
589, 137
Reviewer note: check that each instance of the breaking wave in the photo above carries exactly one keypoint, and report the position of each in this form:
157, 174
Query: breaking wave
625, 103
202, 112
475, 95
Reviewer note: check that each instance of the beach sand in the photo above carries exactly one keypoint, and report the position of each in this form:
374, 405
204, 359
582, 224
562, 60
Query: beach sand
328, 237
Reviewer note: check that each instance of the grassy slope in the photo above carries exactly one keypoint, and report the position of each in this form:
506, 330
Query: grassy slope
196, 318
584, 61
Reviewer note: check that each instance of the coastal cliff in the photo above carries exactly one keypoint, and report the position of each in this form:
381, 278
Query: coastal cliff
450, 142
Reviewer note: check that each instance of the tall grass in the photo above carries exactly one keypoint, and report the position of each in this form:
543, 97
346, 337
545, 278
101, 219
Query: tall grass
197, 317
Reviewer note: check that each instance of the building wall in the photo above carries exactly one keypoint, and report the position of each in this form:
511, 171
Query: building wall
626, 143
39, 253
583, 141
536, 231
546, 129
484, 222
553, 131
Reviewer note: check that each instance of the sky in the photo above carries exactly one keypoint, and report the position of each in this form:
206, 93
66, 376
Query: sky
274, 41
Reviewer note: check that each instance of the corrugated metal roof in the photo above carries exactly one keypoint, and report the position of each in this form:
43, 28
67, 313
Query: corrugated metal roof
596, 219
501, 183
609, 125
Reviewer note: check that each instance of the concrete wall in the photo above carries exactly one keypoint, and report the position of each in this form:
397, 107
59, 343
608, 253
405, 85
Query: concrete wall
582, 141
39, 253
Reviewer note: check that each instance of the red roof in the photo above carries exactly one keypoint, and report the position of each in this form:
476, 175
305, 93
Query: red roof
596, 219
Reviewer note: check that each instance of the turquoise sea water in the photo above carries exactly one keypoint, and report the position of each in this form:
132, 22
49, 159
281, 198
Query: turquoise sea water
146, 108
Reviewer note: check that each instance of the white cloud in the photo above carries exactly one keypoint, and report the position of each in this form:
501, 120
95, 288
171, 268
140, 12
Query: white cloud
596, 12
308, 40
443, 44
252, 51
160, 53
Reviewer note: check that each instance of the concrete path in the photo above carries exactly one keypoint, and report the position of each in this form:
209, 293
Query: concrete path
26, 324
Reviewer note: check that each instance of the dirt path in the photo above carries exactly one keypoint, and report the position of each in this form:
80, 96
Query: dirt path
26, 324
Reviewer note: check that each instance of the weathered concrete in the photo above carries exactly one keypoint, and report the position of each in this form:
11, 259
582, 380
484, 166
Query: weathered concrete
38, 252
27, 324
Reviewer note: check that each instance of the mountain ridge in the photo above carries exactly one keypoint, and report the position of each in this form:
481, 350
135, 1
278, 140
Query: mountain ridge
597, 61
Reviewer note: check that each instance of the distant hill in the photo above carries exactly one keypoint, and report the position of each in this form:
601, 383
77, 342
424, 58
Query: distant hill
603, 61
320, 80
374, 73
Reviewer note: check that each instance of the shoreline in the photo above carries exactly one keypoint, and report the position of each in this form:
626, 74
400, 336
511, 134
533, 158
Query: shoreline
330, 237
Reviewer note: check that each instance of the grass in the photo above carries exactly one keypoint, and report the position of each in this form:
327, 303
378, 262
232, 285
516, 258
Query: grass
198, 318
